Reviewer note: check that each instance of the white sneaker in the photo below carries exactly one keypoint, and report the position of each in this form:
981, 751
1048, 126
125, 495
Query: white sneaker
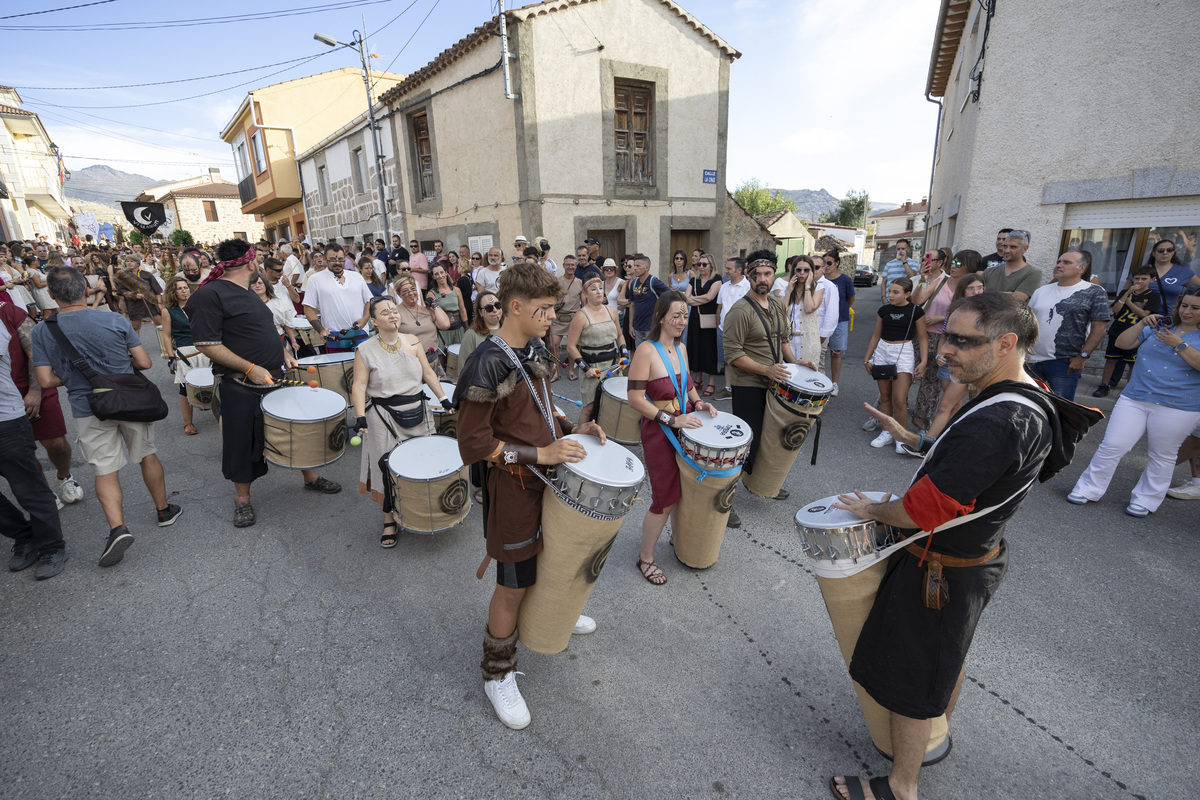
1186, 491
835, 390
585, 625
900, 449
506, 699
882, 440
58, 503
72, 492
871, 424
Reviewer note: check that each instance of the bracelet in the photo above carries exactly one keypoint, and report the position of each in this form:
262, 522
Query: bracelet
921, 444
247, 372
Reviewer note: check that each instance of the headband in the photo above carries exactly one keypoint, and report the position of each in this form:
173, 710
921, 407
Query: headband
221, 266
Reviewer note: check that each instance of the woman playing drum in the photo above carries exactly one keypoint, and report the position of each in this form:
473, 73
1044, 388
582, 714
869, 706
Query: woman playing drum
389, 368
594, 341
653, 393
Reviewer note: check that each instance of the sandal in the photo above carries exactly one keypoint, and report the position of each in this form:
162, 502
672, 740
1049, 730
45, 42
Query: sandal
479, 496
571, 376
389, 539
709, 390
651, 572
190, 429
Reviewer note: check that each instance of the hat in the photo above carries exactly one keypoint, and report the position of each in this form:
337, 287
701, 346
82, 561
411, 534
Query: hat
608, 262
591, 240
520, 238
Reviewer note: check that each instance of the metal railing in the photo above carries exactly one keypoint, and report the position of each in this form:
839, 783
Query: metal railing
247, 190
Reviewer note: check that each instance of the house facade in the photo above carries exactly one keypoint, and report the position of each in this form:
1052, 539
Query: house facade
889, 227
276, 123
32, 202
791, 232
208, 207
617, 130
1086, 140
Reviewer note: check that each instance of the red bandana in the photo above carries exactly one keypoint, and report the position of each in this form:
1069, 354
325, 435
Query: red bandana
221, 266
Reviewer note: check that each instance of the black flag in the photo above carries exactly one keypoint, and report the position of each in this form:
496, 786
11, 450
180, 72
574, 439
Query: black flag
146, 217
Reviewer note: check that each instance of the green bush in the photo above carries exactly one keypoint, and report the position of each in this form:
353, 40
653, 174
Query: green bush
137, 237
182, 238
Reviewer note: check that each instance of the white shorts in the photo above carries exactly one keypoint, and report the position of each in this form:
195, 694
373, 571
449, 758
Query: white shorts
899, 353
103, 442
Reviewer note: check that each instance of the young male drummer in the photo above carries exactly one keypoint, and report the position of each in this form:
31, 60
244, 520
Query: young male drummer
911, 651
235, 329
757, 334
507, 420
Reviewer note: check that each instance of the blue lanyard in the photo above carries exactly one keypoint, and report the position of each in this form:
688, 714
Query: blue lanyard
677, 383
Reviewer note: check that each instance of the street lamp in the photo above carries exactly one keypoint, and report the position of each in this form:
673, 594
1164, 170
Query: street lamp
360, 44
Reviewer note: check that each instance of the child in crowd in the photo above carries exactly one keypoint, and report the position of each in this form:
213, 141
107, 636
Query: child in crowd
1137, 302
891, 357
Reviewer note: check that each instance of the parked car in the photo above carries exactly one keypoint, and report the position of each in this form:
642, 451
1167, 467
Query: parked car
865, 276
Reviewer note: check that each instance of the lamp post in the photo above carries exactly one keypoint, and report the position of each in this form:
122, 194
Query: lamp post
360, 44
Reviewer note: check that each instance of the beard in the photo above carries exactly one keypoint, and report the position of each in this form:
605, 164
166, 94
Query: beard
192, 276
971, 372
761, 288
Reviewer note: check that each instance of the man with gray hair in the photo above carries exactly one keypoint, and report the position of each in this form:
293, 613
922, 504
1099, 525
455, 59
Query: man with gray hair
106, 341
1072, 315
1015, 276
291, 265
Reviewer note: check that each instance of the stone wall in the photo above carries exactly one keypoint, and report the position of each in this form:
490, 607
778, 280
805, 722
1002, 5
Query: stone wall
350, 213
743, 233
189, 215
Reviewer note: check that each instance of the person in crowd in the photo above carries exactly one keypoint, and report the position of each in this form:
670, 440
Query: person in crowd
996, 258
1170, 274
373, 279
839, 340
487, 322
418, 270
236, 331
394, 256
641, 293
423, 322
701, 297
189, 263
1161, 402
281, 309
680, 274
803, 299
933, 294
487, 279
899, 267
734, 288
283, 298
543, 247
446, 296
662, 392
570, 301
93, 268
1072, 315
1189, 453
293, 267
595, 343
1134, 304
139, 291
897, 326
16, 282
510, 430
614, 287
36, 280
110, 346
179, 348
1015, 276
335, 303
461, 274
389, 370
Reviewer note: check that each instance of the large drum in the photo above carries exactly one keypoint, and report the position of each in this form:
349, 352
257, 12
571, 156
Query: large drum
199, 384
849, 556
580, 519
452, 351
444, 422
305, 332
792, 409
618, 421
703, 511
429, 484
335, 371
303, 427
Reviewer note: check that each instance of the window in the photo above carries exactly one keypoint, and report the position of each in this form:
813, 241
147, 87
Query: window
284, 231
260, 160
323, 184
358, 168
240, 235
908, 226
243, 160
210, 211
423, 152
633, 118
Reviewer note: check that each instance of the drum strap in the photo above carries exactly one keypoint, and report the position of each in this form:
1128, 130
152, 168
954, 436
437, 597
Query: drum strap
774, 340
677, 383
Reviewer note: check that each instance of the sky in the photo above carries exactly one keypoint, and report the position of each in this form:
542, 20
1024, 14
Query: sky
827, 94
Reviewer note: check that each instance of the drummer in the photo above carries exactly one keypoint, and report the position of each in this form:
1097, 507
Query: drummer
336, 300
594, 341
389, 368
654, 393
757, 334
235, 329
507, 420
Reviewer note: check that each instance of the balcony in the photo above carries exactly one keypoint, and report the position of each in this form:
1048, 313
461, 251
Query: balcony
42, 188
247, 190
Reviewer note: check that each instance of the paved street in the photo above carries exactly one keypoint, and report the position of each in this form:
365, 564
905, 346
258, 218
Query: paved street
299, 659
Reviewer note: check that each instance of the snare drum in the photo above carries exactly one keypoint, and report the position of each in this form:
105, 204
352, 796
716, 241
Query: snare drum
806, 388
199, 385
429, 484
722, 443
828, 534
305, 332
303, 427
335, 371
618, 421
452, 351
444, 422
580, 519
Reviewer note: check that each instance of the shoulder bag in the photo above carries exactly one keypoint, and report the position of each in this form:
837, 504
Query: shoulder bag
124, 397
708, 322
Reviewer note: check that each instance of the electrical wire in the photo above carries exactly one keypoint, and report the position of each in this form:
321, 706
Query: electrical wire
156, 83
53, 10
34, 102
388, 68
195, 22
144, 161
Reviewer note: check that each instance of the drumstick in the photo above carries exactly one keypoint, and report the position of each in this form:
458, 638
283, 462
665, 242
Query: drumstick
569, 400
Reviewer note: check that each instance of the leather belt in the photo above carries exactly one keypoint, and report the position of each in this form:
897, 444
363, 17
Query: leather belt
951, 561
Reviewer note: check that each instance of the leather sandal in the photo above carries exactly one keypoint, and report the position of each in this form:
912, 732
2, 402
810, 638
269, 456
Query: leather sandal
190, 429
389, 539
651, 572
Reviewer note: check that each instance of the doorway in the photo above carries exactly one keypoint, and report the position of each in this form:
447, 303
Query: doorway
687, 241
612, 244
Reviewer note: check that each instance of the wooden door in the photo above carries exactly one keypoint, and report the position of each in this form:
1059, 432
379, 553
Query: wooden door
612, 244
687, 241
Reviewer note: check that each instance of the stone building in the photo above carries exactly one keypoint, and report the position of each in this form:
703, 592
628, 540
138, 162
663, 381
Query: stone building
208, 207
791, 231
1087, 139
743, 233
905, 222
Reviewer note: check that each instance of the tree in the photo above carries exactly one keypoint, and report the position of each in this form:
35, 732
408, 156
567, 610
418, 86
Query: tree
852, 211
182, 238
137, 237
758, 199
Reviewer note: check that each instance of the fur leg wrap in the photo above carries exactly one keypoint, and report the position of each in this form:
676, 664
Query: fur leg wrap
499, 656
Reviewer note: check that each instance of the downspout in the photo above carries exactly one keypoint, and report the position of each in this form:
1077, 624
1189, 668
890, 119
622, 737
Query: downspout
937, 136
299, 175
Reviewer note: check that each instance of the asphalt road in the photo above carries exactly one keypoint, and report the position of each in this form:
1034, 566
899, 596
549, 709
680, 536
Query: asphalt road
299, 659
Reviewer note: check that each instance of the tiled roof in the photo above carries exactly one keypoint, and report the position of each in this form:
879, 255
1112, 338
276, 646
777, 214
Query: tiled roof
10, 110
208, 191
915, 208
767, 220
952, 19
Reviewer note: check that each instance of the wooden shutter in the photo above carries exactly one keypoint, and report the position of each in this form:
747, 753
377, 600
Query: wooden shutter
424, 152
633, 121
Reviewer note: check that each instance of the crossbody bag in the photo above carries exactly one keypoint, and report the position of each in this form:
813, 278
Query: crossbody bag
126, 397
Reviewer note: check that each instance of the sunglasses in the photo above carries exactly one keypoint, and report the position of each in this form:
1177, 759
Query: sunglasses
610, 269
1172, 250
475, 258
490, 307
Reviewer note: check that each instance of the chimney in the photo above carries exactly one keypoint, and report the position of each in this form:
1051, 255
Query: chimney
214, 172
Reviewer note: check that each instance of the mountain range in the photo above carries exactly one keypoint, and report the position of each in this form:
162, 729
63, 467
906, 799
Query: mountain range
812, 203
106, 186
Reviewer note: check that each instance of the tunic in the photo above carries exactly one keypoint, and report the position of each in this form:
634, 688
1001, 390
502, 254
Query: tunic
806, 333
659, 454
449, 304
594, 339
388, 374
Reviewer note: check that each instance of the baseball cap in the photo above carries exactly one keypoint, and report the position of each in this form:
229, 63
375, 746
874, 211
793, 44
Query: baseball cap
591, 240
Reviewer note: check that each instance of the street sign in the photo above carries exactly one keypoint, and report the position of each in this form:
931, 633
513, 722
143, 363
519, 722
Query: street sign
710, 176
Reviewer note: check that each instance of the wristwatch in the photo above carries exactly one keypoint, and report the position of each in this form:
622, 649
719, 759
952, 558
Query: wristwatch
1179, 348
1085, 356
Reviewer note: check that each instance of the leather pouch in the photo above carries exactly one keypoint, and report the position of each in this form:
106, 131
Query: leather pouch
937, 588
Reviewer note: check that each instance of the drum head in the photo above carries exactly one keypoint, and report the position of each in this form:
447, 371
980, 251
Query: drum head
447, 389
304, 404
721, 432
425, 458
618, 388
607, 464
301, 321
822, 514
327, 358
454, 348
809, 380
200, 377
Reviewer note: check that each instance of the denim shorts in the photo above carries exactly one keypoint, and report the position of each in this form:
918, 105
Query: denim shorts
840, 337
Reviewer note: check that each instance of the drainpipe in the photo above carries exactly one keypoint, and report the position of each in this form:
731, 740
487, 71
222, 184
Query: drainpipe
505, 55
299, 176
937, 135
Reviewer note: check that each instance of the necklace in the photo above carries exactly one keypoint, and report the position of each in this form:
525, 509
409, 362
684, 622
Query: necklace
394, 347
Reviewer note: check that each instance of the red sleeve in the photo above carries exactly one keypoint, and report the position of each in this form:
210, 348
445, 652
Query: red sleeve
929, 507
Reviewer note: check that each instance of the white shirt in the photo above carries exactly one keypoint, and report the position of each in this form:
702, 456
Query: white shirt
488, 279
341, 304
780, 287
292, 266
551, 267
281, 308
828, 312
730, 293
12, 404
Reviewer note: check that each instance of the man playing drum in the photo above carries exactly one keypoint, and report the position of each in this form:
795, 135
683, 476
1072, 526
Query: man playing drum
757, 334
507, 420
235, 330
911, 652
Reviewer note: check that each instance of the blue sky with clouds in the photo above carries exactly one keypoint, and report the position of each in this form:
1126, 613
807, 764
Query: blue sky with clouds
828, 93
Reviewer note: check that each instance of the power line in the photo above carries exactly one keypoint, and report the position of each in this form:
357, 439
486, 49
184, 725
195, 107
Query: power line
143, 161
388, 68
195, 22
34, 102
156, 83
53, 10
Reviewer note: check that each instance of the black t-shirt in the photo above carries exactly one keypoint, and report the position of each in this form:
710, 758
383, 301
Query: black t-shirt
993, 260
587, 271
900, 322
224, 313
